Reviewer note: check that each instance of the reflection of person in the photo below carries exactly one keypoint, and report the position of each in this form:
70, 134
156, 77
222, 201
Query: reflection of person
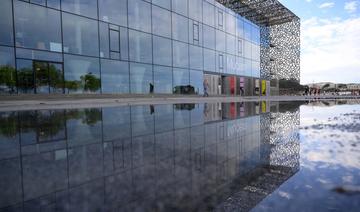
206, 87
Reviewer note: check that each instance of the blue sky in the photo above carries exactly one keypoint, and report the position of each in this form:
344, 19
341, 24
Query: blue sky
330, 39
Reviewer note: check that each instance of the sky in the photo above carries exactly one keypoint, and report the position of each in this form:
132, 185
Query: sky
330, 39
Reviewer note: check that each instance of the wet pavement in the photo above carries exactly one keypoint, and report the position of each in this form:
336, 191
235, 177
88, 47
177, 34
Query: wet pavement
234, 156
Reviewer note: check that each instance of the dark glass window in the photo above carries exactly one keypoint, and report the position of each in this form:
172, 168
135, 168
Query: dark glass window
114, 41
113, 11
80, 35
37, 27
114, 76
181, 81
25, 76
140, 47
163, 3
81, 7
82, 74
139, 15
180, 54
163, 79
180, 28
220, 19
161, 21
141, 78
180, 6
6, 23
162, 51
196, 81
7, 70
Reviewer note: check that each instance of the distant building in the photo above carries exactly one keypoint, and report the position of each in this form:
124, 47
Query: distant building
141, 47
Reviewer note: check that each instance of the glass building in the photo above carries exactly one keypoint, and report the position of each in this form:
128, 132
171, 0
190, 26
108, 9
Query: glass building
127, 46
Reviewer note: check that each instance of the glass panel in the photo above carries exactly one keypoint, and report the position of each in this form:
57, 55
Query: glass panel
140, 47
162, 51
81, 74
247, 49
81, 7
247, 31
7, 70
116, 123
196, 57
114, 76
56, 75
163, 3
240, 27
161, 22
230, 44
40, 2
209, 37
124, 43
180, 54
139, 15
104, 40
38, 55
114, 41
209, 13
41, 77
6, 23
37, 27
180, 28
80, 35
195, 9
163, 79
230, 24
113, 11
220, 41
181, 81
141, 78
25, 76
180, 6
196, 81
53, 4
209, 60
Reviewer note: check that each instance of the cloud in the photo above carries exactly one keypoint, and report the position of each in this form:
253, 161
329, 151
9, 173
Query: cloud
351, 6
326, 5
330, 50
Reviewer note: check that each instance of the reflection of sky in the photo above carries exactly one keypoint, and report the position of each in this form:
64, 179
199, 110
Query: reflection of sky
330, 158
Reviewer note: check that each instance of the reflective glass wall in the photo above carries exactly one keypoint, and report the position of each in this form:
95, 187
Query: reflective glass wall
122, 46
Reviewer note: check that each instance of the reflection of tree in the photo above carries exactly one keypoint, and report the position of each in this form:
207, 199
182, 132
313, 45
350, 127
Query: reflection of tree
8, 124
25, 79
8, 78
184, 89
47, 124
88, 82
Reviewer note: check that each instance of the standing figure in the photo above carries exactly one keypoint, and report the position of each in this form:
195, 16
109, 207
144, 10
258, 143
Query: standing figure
206, 87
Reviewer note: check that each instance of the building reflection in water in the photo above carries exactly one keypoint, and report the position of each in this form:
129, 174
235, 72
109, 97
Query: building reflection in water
162, 157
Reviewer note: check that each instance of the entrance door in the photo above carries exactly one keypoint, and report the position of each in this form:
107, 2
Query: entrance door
48, 77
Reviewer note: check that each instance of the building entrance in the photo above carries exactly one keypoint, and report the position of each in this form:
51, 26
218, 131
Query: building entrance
215, 84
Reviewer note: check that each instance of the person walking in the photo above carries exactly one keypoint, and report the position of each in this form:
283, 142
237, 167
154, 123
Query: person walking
206, 87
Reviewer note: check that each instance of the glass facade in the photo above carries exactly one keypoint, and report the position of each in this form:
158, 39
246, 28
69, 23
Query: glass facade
122, 46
